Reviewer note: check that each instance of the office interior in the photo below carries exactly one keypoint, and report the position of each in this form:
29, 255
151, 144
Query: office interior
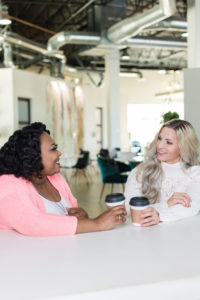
81, 67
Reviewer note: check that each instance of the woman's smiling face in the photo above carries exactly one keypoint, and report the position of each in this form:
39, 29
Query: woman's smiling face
50, 155
167, 146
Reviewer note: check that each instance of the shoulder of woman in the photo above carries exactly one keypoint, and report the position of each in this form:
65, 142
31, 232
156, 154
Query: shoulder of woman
195, 171
133, 174
10, 184
10, 178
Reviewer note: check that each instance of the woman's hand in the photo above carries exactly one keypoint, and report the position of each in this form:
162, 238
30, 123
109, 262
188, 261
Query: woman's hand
112, 217
78, 212
179, 198
106, 221
149, 217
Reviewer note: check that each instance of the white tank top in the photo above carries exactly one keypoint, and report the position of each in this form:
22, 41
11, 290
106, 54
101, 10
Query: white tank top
57, 208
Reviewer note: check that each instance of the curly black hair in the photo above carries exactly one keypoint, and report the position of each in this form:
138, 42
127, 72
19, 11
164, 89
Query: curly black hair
21, 154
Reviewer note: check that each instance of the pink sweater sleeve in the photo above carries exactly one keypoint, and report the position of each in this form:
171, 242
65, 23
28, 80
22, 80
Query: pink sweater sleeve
21, 209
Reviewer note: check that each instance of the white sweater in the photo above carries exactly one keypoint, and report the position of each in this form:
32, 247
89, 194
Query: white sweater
175, 179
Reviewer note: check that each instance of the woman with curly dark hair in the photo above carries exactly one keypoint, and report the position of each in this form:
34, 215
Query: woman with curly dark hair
35, 199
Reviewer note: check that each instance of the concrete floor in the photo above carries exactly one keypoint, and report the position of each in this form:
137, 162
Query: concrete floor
88, 194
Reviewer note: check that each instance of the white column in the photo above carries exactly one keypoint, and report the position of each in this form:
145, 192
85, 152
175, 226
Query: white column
193, 15
192, 74
112, 68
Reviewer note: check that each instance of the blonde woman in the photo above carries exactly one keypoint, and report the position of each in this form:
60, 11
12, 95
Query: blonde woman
170, 175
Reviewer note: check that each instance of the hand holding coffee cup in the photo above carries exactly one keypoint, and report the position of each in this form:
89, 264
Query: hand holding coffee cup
137, 206
114, 199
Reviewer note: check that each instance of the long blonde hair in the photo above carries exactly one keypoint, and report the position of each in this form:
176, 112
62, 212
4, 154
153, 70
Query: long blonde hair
149, 173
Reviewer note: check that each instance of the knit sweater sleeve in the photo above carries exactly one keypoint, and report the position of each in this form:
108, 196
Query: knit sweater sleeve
20, 211
178, 211
132, 188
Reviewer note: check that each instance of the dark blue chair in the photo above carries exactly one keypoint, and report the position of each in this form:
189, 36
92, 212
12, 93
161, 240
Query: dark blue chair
110, 174
133, 164
80, 168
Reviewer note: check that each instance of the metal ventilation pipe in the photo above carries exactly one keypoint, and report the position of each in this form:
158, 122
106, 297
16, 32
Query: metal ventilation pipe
155, 42
177, 23
132, 26
8, 63
25, 43
66, 37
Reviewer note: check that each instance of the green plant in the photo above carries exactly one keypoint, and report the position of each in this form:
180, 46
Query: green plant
169, 116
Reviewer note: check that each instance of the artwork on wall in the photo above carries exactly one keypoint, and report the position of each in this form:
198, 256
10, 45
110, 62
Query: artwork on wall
65, 104
79, 101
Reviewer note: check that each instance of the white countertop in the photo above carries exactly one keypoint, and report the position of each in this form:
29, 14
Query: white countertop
159, 262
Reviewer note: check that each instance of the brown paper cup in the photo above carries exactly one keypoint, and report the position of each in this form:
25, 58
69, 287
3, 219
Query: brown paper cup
135, 214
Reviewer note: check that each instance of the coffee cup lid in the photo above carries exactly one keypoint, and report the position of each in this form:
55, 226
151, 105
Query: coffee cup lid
114, 197
139, 201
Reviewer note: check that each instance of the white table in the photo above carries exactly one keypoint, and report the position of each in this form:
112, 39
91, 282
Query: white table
160, 262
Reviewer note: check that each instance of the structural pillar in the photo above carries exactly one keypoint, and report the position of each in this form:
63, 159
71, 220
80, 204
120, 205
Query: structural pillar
192, 73
112, 69
193, 16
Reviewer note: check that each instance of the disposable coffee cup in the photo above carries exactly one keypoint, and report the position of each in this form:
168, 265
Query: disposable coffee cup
137, 205
114, 199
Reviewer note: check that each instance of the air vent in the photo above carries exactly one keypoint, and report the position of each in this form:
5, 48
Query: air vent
101, 17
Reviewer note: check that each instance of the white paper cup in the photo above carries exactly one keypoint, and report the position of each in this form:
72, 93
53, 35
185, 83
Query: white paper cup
114, 199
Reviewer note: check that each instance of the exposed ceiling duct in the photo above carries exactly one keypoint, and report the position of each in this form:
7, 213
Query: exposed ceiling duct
62, 38
132, 26
156, 42
104, 24
8, 63
22, 42
171, 23
118, 32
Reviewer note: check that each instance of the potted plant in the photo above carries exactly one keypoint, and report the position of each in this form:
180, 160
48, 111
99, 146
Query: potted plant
169, 116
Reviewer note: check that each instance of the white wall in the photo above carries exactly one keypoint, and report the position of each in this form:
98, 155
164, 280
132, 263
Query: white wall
131, 91
94, 97
6, 105
33, 86
16, 83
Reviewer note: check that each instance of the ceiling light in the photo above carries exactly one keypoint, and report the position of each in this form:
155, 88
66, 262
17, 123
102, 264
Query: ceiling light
125, 55
185, 34
124, 74
4, 20
162, 72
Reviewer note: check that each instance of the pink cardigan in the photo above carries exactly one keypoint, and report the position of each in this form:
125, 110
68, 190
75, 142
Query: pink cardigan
22, 209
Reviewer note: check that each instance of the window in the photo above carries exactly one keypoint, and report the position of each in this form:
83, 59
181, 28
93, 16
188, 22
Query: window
143, 120
24, 112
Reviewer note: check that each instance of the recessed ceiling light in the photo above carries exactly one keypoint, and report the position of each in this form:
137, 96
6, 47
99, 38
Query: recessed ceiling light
185, 34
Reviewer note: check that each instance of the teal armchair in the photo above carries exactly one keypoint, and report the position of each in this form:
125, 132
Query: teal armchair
110, 174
